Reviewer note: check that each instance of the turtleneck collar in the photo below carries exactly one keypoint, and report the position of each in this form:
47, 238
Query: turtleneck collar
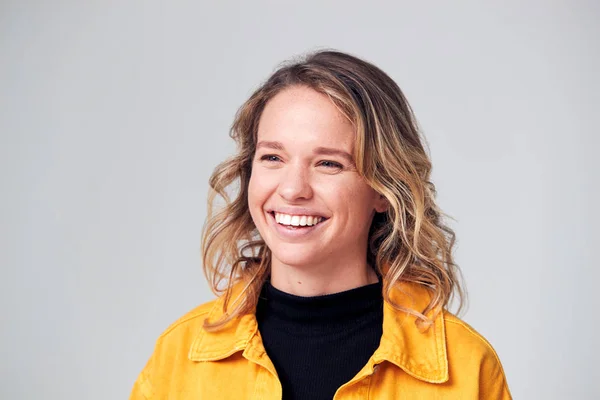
319, 314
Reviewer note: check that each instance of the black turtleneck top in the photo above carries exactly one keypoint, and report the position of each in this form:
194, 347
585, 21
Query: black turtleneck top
319, 343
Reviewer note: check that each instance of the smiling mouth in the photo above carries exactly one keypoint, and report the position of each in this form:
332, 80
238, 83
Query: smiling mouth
297, 221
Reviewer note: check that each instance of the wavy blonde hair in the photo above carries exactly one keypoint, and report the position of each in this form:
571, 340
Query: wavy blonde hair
409, 242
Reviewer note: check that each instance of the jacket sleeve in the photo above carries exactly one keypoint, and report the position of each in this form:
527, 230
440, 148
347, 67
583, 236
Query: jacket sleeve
492, 381
142, 388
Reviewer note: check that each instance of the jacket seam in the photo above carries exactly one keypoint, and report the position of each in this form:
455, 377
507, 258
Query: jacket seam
146, 387
258, 388
182, 321
488, 345
440, 338
414, 370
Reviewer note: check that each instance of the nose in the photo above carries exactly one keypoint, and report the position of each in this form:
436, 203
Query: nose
295, 183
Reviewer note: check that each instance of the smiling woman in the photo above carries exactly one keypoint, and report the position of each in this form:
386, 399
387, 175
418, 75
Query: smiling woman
332, 265
303, 168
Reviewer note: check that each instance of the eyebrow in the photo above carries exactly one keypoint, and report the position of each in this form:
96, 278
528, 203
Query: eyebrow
270, 145
327, 151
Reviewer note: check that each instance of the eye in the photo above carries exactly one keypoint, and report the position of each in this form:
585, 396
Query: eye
270, 157
331, 164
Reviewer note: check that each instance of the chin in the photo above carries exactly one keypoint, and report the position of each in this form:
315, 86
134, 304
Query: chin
298, 257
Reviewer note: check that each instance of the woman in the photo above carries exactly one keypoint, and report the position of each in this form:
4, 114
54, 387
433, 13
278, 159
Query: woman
332, 262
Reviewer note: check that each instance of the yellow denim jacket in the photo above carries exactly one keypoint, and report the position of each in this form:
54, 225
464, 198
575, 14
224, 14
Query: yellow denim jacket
450, 360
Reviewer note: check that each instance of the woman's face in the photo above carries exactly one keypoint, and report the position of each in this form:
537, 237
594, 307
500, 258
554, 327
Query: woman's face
310, 205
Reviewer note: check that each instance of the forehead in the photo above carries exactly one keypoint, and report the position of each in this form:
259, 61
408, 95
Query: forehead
300, 114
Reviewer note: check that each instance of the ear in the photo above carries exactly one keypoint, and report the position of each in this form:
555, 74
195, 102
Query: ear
381, 204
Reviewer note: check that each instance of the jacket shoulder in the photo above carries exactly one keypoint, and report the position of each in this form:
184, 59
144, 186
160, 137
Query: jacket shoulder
461, 331
469, 351
193, 319
172, 345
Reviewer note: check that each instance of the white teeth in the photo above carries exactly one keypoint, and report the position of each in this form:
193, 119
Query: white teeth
297, 220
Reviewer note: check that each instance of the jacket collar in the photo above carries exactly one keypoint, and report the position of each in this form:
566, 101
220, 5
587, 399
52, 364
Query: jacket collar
421, 354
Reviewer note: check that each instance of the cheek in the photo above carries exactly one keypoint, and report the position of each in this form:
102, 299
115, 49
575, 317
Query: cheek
360, 200
253, 192
258, 190
254, 202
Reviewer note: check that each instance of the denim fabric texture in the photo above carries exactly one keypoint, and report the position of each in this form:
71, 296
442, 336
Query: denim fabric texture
449, 360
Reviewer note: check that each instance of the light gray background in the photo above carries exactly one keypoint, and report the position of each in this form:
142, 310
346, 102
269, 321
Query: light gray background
113, 114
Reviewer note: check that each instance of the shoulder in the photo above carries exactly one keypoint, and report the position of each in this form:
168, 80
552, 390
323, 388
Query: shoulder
458, 332
190, 321
175, 341
468, 350
173, 344
181, 333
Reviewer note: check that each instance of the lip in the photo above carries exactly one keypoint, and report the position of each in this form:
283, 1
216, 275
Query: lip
292, 233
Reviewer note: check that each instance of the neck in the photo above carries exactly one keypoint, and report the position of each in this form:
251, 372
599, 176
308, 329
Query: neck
318, 280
